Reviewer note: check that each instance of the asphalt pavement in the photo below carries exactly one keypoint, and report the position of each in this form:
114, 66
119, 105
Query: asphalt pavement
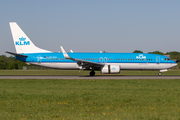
85, 77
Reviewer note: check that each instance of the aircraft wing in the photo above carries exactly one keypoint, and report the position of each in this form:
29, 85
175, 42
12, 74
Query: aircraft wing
88, 63
81, 62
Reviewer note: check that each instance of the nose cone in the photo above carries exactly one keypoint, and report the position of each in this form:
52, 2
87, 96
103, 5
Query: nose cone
173, 63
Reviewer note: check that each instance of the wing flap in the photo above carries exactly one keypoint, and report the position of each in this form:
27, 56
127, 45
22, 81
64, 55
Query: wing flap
84, 63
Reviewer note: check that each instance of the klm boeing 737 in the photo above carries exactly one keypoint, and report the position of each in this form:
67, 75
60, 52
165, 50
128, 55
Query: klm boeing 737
107, 63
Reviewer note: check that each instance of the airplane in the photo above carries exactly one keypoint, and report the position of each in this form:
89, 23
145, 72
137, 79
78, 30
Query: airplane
107, 63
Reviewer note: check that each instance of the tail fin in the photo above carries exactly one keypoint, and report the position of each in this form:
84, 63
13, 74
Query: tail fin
21, 41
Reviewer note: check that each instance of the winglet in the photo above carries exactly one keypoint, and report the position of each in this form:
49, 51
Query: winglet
65, 53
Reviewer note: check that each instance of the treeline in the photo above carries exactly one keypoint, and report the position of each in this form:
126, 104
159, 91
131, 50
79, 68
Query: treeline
9, 63
174, 55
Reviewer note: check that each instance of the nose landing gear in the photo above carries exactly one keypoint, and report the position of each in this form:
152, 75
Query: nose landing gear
159, 73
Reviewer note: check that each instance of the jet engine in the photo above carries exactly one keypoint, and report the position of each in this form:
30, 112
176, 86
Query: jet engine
110, 69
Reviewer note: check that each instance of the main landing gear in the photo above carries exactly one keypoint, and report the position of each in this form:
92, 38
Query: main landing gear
92, 73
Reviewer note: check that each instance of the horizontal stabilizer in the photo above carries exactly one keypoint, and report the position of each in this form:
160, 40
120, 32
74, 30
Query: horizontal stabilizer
16, 54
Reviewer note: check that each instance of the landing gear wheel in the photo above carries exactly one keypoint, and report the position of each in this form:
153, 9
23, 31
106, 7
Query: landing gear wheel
92, 73
159, 73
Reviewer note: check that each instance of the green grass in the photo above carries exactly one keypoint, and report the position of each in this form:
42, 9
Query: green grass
90, 99
76, 72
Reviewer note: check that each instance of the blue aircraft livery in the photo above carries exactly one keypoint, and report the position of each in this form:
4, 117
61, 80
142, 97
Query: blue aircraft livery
107, 63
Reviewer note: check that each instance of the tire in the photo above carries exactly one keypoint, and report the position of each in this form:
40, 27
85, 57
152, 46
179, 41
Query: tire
159, 73
92, 73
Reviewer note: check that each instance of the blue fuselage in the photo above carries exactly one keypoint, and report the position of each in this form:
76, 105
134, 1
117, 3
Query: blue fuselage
106, 58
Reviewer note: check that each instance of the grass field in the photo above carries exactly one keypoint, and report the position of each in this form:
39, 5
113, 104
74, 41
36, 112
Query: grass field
76, 72
90, 99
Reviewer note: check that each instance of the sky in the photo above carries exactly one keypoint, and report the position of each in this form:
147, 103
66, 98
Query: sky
93, 25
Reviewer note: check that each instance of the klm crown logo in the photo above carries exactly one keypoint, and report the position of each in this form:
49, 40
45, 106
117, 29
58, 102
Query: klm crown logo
140, 57
22, 41
113, 68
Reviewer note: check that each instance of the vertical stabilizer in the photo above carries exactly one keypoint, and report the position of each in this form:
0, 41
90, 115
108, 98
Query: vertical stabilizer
21, 41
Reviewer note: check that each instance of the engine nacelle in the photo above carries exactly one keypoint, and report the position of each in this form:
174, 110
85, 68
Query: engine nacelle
110, 69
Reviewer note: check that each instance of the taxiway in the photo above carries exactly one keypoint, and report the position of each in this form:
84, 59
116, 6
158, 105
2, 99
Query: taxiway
86, 77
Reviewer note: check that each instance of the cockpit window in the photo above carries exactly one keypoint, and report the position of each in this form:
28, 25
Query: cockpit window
167, 59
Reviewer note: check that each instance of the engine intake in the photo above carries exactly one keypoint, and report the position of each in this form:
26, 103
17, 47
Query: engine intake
110, 69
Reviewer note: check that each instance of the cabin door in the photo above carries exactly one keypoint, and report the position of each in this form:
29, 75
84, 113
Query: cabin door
39, 59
